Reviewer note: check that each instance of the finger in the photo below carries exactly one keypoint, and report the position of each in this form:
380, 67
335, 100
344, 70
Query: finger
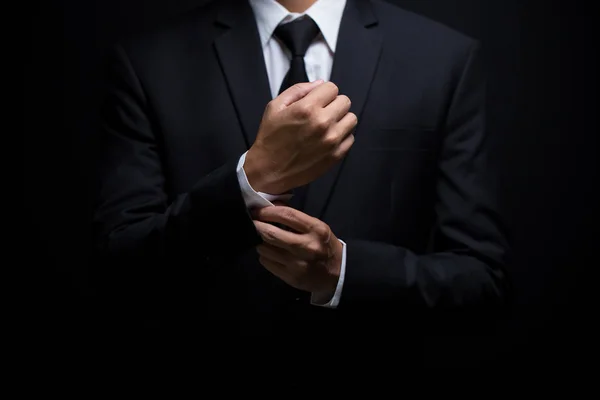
278, 237
287, 216
254, 212
338, 108
342, 150
347, 124
295, 93
277, 269
276, 254
291, 261
341, 136
343, 128
321, 96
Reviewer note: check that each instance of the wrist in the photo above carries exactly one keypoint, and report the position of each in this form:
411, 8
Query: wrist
259, 177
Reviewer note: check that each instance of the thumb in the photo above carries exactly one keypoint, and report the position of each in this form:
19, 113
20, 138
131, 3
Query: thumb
297, 92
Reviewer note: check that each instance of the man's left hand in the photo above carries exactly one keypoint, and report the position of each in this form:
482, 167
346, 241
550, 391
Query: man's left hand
307, 257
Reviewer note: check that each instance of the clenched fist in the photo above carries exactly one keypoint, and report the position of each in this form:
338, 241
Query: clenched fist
304, 132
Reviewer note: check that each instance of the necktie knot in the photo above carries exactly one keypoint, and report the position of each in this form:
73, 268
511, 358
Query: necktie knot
298, 35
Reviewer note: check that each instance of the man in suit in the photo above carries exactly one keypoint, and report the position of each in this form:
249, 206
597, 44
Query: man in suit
300, 163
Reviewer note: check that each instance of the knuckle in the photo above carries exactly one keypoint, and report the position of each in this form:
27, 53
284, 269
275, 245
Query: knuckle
333, 87
330, 141
339, 153
270, 107
353, 118
269, 233
304, 111
321, 123
346, 99
322, 230
288, 215
350, 141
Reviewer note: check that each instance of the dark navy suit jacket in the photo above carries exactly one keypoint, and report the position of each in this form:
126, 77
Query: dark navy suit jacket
414, 199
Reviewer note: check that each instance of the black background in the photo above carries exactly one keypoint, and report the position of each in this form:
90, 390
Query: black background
542, 76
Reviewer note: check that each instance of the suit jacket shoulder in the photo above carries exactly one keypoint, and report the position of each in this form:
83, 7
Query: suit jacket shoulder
418, 27
426, 41
433, 54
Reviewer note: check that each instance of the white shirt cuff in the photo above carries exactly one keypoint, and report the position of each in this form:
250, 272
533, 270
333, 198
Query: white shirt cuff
252, 198
325, 301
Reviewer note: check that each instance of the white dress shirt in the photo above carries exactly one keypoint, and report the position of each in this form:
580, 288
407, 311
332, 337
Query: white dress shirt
269, 14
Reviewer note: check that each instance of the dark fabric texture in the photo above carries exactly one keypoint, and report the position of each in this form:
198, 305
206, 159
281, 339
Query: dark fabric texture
414, 199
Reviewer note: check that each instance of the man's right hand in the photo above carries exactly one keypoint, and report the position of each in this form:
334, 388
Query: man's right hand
304, 131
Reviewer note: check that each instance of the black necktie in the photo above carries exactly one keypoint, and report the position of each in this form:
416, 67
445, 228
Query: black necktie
297, 37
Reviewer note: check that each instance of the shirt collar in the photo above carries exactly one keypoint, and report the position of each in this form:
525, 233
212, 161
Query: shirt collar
327, 14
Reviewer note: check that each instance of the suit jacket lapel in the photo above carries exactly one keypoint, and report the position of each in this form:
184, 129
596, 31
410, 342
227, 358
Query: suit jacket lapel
356, 59
241, 57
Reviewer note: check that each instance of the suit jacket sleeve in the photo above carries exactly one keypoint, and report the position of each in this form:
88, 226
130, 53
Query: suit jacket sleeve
464, 268
138, 225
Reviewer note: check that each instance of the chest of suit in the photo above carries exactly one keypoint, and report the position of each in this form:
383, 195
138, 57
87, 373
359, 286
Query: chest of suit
384, 190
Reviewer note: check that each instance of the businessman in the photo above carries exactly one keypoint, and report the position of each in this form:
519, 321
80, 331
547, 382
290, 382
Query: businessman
302, 163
